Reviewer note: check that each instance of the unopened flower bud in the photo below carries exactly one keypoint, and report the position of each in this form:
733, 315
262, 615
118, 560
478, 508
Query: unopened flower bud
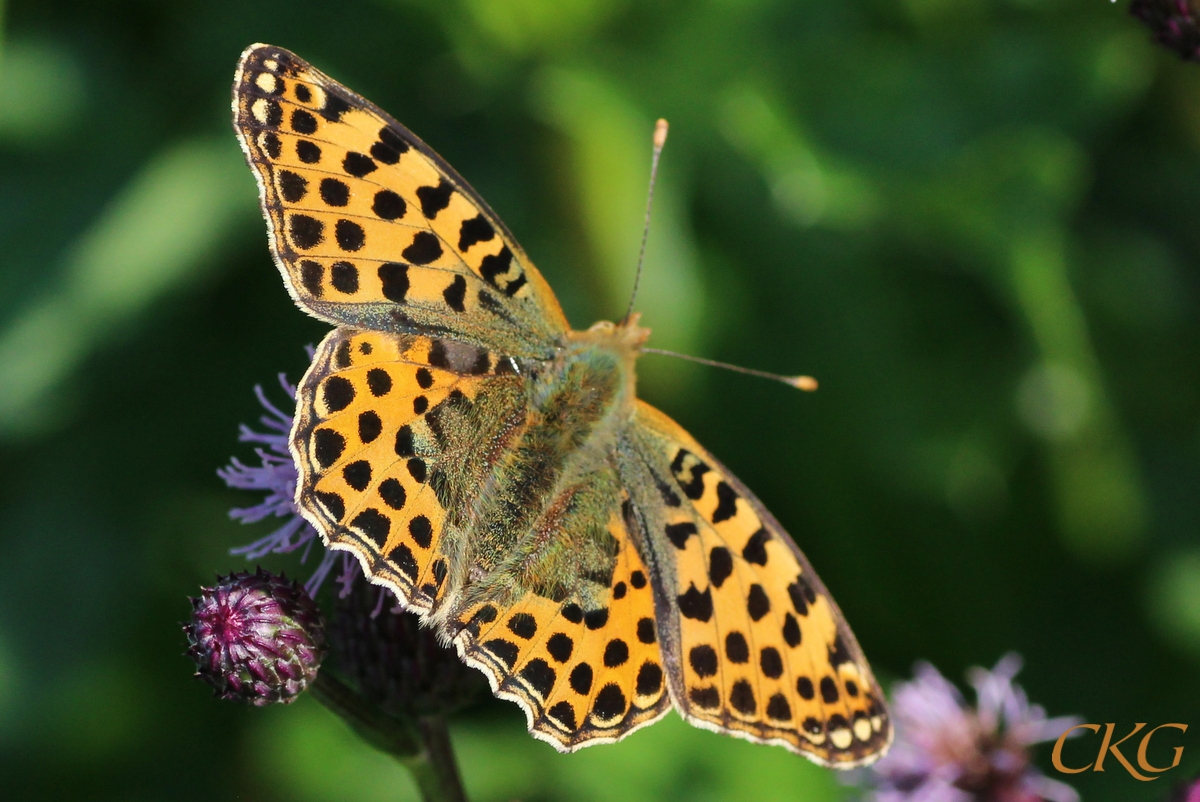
256, 638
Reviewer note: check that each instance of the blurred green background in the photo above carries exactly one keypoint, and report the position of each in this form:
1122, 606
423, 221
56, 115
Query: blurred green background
975, 221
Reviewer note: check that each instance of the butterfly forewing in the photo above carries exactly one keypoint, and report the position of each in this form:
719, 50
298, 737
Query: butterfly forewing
370, 227
762, 650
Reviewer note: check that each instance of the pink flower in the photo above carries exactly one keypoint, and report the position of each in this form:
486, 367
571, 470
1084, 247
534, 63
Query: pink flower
948, 751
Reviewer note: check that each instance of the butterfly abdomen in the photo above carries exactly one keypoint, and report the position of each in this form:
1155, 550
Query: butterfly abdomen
535, 525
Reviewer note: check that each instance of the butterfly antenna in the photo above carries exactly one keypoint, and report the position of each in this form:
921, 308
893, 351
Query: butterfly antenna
660, 139
806, 383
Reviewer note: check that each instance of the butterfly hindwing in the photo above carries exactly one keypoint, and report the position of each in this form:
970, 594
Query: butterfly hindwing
761, 649
586, 667
370, 227
376, 473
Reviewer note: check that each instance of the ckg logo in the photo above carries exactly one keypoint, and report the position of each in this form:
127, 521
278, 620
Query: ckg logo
1108, 746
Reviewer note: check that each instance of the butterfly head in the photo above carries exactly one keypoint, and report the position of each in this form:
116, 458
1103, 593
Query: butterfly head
626, 337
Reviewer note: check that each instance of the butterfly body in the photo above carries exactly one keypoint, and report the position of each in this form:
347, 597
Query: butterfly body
495, 469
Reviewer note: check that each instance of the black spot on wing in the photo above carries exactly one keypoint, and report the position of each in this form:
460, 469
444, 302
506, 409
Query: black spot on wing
703, 660
696, 605
369, 426
838, 653
388, 205
328, 446
564, 714
333, 504
610, 703
421, 530
292, 186
736, 648
308, 152
741, 697
540, 676
344, 277
679, 533
755, 550
726, 503
720, 565
801, 594
504, 650
307, 232
374, 524
394, 278
357, 474
303, 122
311, 275
778, 708
358, 164
402, 556
350, 236
434, 199
456, 293
335, 105
334, 192
495, 265
560, 647
595, 619
425, 248
523, 625
649, 679
708, 698
758, 603
476, 229
581, 679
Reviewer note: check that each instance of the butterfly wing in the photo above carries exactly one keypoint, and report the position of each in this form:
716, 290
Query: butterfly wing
584, 663
377, 475
756, 646
370, 227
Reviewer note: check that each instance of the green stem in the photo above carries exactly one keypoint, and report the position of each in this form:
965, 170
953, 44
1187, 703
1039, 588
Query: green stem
423, 746
435, 769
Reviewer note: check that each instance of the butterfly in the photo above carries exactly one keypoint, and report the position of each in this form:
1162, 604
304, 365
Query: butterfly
495, 469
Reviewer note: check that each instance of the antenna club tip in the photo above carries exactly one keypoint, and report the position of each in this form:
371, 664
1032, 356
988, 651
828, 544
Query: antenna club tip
806, 383
660, 133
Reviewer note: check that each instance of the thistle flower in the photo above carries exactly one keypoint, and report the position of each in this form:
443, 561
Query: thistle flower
1173, 23
256, 638
948, 751
276, 476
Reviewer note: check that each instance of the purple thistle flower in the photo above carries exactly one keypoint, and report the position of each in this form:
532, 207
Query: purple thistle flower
948, 751
1173, 23
256, 638
276, 475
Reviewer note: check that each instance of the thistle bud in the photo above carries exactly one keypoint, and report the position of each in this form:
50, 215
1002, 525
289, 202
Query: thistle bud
256, 638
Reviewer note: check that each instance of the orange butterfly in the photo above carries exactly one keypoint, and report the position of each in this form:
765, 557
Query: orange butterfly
495, 469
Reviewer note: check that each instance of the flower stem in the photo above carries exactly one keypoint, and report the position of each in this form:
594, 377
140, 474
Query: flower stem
435, 769
423, 746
